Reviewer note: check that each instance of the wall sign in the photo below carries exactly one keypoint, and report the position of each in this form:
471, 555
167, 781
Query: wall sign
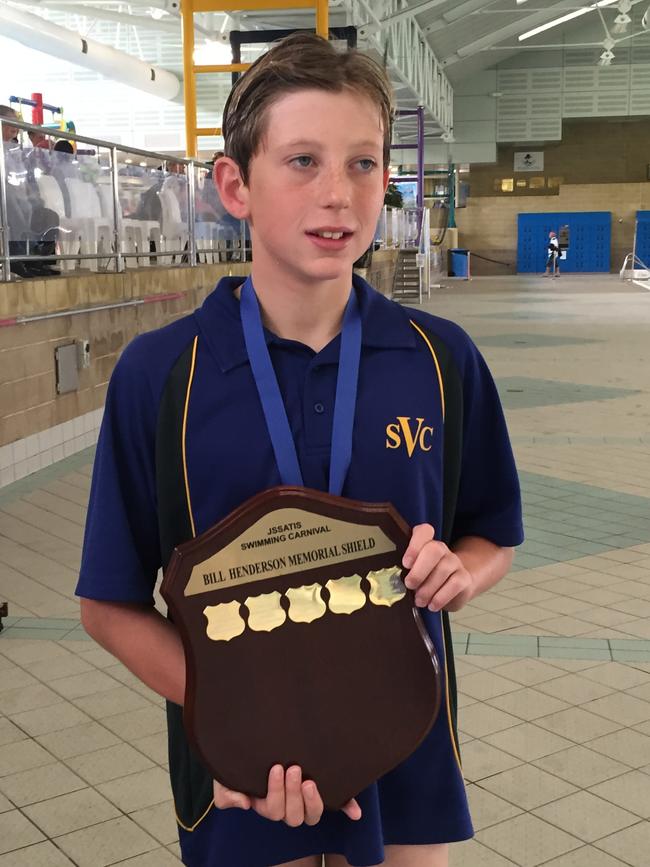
529, 161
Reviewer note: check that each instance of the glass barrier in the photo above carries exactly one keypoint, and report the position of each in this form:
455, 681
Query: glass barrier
410, 229
218, 233
69, 203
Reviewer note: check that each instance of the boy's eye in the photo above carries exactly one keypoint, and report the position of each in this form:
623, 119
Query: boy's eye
367, 164
303, 161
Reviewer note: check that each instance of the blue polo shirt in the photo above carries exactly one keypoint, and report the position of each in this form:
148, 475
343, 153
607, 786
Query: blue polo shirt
184, 442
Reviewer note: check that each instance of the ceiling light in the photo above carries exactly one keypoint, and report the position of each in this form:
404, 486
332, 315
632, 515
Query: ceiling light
645, 21
622, 20
608, 55
211, 52
568, 17
621, 23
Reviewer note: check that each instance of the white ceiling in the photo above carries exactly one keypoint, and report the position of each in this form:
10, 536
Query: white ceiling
465, 35
470, 35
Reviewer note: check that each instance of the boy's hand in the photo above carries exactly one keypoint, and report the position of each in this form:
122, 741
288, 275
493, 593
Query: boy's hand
436, 574
288, 799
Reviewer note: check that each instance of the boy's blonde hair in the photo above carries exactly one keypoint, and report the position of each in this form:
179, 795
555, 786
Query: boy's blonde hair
301, 61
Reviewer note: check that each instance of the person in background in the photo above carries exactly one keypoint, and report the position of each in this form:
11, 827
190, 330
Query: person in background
553, 258
64, 146
33, 228
39, 139
63, 165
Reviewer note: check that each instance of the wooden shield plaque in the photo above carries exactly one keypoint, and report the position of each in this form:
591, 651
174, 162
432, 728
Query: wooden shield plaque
302, 644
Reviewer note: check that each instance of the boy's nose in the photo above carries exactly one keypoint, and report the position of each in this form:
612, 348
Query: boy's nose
336, 190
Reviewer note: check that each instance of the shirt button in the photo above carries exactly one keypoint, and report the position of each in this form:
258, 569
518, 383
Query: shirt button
319, 408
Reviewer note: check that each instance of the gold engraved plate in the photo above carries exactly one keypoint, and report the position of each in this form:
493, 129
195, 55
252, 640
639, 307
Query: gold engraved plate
346, 594
224, 621
386, 586
285, 541
305, 603
265, 612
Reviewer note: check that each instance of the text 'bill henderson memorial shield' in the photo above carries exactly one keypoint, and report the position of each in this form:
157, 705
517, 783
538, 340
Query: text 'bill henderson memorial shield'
302, 644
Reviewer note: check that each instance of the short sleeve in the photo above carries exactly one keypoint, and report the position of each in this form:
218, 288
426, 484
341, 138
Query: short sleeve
121, 550
489, 497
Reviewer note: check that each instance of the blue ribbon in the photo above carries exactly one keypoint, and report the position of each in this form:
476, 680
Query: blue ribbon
273, 406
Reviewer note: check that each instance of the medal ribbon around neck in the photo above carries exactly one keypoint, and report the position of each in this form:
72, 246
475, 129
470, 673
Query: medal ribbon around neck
273, 406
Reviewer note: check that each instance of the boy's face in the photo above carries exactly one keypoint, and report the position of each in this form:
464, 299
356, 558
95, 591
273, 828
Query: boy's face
319, 168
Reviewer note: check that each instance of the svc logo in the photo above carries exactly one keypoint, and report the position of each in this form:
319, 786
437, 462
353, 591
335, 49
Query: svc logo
403, 431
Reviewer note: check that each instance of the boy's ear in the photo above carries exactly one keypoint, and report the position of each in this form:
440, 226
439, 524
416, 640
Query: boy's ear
233, 192
386, 179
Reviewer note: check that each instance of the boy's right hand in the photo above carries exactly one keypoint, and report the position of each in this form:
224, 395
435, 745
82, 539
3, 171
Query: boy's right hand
288, 799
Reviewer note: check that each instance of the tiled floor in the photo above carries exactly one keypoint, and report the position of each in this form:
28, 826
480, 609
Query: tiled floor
554, 663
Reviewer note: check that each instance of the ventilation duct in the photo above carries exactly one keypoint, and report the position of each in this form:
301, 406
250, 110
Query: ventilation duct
35, 32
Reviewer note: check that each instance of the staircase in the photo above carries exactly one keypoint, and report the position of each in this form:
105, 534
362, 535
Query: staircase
406, 282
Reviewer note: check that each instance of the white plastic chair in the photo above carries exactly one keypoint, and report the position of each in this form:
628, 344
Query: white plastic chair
207, 240
174, 229
85, 205
72, 230
135, 234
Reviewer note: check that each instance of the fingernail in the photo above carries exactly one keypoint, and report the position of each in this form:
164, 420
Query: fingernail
407, 561
410, 583
310, 790
277, 772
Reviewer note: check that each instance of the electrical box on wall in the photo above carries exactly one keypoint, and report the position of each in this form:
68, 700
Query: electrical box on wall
67, 372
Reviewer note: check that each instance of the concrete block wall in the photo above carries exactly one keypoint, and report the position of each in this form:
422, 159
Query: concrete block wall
39, 426
381, 271
488, 225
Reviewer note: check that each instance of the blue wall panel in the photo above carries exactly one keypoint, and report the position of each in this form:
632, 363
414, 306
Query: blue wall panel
590, 235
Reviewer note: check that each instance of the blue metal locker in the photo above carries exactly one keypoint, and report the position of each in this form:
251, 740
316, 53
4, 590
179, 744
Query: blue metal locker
590, 235
643, 236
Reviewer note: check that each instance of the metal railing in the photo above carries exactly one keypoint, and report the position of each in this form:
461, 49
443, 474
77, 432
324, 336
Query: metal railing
635, 270
106, 206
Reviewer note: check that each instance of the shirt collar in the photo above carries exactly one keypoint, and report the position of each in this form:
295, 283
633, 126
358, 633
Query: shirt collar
385, 325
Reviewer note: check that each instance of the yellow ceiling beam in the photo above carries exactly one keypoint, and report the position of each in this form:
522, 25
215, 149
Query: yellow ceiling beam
250, 5
222, 67
190, 70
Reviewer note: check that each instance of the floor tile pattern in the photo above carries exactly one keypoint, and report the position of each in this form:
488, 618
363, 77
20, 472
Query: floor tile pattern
553, 664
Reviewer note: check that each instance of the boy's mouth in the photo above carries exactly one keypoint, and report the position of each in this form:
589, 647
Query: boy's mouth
335, 232
330, 238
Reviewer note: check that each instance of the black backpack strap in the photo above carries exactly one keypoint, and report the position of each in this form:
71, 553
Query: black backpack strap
451, 386
191, 782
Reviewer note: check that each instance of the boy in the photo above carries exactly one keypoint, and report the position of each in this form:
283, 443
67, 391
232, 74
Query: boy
184, 442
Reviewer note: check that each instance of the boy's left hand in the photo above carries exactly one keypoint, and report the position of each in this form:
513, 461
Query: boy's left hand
437, 575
